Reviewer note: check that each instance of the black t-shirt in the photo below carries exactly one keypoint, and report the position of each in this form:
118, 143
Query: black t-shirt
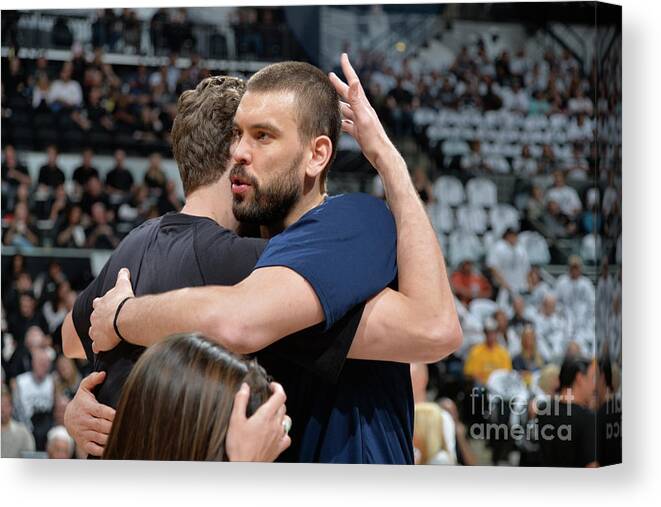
121, 179
176, 251
51, 176
82, 174
566, 434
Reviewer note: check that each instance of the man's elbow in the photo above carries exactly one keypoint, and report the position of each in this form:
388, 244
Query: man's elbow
238, 336
445, 337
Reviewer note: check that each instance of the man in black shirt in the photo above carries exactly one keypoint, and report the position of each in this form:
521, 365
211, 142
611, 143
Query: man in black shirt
86, 170
119, 179
50, 175
566, 425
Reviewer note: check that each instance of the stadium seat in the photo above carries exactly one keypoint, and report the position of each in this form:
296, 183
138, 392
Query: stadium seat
472, 218
502, 217
481, 192
449, 190
536, 247
464, 245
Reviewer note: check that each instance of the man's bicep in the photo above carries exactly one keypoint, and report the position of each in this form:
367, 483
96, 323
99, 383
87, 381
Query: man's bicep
275, 302
72, 345
383, 329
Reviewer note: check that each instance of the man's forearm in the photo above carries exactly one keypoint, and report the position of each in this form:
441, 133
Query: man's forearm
420, 261
148, 319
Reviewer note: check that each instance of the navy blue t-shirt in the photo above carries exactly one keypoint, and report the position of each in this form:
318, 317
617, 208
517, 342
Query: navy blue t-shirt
346, 249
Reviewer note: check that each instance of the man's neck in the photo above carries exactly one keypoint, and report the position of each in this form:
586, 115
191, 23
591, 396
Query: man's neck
308, 202
212, 201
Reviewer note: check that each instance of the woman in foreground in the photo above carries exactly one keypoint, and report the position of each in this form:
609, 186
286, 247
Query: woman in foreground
189, 399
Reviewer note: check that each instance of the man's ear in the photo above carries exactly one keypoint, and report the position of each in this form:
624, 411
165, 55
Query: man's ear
320, 153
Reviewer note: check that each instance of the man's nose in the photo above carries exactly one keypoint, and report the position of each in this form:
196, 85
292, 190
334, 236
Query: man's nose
241, 153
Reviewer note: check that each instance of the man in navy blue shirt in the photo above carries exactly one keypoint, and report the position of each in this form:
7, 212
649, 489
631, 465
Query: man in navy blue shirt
326, 255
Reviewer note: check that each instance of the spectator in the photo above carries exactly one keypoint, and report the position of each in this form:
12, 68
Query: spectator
65, 93
509, 263
579, 103
570, 410
554, 223
169, 199
100, 234
566, 196
14, 81
535, 205
398, 102
61, 33
552, 330
507, 337
155, 177
465, 453
41, 93
13, 172
35, 396
577, 166
28, 315
547, 162
21, 359
434, 435
16, 437
85, 170
94, 116
21, 232
474, 162
131, 30
67, 377
468, 284
50, 174
484, 358
525, 165
72, 233
93, 193
576, 293
536, 288
519, 319
528, 360
119, 179
60, 444
55, 309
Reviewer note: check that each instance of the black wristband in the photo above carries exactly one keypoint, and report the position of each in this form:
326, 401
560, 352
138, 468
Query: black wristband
114, 322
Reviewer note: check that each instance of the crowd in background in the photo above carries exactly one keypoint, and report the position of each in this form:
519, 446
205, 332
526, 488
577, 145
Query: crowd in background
516, 317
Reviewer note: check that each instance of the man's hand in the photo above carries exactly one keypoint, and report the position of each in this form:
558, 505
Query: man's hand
87, 420
360, 119
263, 436
102, 331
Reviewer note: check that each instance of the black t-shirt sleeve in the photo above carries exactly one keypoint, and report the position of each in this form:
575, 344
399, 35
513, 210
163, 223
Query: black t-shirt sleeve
225, 258
82, 311
323, 353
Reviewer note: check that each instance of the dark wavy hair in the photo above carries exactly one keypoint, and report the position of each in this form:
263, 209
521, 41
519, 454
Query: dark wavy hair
177, 401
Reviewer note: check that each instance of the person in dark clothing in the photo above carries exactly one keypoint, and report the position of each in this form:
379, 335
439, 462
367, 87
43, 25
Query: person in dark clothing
50, 175
566, 423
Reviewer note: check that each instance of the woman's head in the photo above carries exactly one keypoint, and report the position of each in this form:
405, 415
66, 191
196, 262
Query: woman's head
428, 430
177, 401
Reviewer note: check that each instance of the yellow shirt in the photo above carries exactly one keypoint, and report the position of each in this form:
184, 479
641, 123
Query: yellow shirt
482, 360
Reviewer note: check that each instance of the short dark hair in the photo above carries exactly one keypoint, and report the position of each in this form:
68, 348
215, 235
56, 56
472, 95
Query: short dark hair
318, 102
571, 367
203, 130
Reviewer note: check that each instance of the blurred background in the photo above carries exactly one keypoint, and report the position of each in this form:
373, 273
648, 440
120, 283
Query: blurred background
509, 117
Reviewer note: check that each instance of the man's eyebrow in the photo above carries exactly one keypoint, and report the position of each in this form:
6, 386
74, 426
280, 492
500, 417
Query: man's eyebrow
265, 126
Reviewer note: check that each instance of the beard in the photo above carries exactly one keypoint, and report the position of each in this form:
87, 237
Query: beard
271, 202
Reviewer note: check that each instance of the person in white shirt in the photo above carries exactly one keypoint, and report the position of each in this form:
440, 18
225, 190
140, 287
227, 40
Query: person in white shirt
16, 438
509, 263
552, 330
566, 196
576, 293
65, 92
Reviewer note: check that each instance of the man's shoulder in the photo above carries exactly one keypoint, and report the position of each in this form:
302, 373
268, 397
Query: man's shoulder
350, 203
